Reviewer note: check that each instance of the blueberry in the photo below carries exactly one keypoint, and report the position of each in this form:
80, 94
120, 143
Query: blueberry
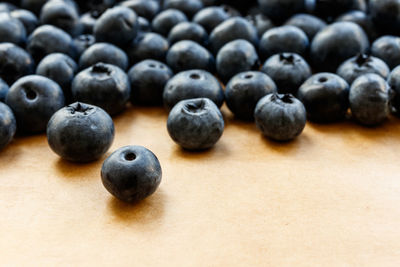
261, 23
34, 99
369, 99
106, 53
103, 85
11, 29
48, 39
3, 90
362, 64
189, 7
280, 10
385, 15
288, 70
144, 25
80, 132
310, 24
192, 84
148, 79
143, 8
15, 62
235, 57
88, 20
336, 43
387, 48
210, 17
333, 8
394, 83
28, 19
7, 7
118, 25
325, 97
188, 31
363, 20
82, 42
8, 125
186, 55
148, 46
244, 90
61, 14
232, 29
131, 173
195, 124
166, 20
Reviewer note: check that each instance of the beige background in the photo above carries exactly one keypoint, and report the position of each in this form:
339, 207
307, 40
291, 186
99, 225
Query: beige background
330, 198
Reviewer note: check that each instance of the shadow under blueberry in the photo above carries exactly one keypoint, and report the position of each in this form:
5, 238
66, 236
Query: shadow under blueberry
220, 149
76, 170
287, 147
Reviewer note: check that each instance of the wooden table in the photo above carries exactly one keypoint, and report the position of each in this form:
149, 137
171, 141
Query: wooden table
330, 198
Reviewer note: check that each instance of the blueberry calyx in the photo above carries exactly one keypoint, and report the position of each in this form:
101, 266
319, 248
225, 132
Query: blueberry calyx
195, 76
362, 59
195, 106
286, 58
101, 68
30, 94
285, 98
130, 156
80, 108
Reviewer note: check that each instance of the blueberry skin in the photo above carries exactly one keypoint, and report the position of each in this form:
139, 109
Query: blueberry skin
11, 29
28, 19
15, 62
166, 20
189, 7
188, 31
280, 117
288, 70
387, 48
34, 99
325, 97
362, 64
144, 25
3, 90
261, 23
49, 39
80, 132
235, 57
131, 173
192, 84
118, 25
309, 24
61, 14
8, 125
106, 53
210, 17
385, 15
88, 20
195, 124
82, 42
232, 29
147, 79
244, 90
280, 10
363, 20
187, 55
143, 8
148, 46
394, 83
336, 43
369, 99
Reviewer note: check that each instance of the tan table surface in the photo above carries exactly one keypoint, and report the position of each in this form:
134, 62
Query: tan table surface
330, 198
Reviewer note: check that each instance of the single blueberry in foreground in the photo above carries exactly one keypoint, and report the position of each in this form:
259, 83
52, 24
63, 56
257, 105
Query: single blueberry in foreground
8, 125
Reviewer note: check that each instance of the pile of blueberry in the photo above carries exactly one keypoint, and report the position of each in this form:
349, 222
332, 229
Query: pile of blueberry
67, 66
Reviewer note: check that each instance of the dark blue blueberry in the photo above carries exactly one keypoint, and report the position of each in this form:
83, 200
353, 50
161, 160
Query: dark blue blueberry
8, 125
148, 79
283, 39
82, 42
33, 5
144, 24
280, 10
3, 90
363, 20
325, 96
288, 70
118, 25
261, 23
211, 17
189, 7
232, 29
369, 99
103, 85
244, 90
235, 57
387, 48
143, 8
148, 46
360, 65
11, 29
166, 20
28, 19
15, 62
385, 14
106, 53
188, 31
333, 8
131, 173
61, 14
48, 39
61, 69
192, 84
34, 99
328, 50
88, 20
7, 7
186, 55
195, 124
80, 132
394, 83
310, 24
